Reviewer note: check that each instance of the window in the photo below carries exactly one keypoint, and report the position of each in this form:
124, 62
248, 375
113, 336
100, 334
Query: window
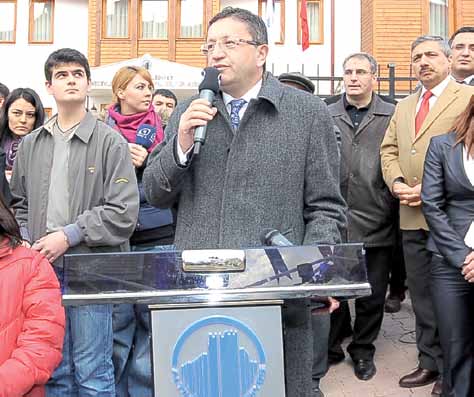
116, 18
275, 20
41, 21
315, 21
191, 18
154, 19
7, 21
439, 18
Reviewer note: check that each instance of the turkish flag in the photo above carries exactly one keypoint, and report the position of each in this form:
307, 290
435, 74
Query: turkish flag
304, 26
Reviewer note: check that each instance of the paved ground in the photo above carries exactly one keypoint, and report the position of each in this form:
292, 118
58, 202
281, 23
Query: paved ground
395, 356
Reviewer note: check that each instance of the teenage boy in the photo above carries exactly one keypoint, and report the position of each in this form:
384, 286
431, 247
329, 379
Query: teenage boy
74, 191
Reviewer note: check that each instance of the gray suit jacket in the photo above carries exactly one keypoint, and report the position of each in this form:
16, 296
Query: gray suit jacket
278, 170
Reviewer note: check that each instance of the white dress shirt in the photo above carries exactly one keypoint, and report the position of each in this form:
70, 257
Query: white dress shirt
250, 94
469, 168
436, 91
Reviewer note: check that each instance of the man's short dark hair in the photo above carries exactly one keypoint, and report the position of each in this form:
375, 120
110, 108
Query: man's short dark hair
255, 24
4, 91
167, 94
464, 29
65, 56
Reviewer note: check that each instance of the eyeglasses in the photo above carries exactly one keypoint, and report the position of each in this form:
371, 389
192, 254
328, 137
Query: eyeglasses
358, 72
228, 43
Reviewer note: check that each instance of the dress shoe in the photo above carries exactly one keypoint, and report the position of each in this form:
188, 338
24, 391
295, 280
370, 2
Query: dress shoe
316, 391
364, 369
437, 388
393, 303
419, 377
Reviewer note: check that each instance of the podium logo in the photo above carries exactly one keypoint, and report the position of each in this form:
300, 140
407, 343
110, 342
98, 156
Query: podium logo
233, 363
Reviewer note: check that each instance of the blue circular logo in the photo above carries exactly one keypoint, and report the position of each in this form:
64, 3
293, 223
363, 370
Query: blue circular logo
226, 367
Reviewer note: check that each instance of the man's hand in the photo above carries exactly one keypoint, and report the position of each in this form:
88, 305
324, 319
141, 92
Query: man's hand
407, 195
52, 246
198, 113
333, 304
138, 153
468, 268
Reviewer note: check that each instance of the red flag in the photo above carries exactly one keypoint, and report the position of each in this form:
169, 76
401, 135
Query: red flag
304, 26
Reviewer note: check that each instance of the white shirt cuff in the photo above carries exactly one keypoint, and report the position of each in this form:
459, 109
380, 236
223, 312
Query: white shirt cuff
183, 158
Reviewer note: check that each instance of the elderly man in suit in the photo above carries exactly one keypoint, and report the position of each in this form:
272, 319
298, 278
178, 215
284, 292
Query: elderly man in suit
270, 160
429, 112
462, 48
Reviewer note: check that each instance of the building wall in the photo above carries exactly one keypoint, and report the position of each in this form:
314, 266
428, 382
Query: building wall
22, 63
389, 27
103, 51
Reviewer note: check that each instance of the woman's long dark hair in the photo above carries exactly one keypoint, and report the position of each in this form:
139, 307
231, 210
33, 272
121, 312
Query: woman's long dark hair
8, 225
30, 96
464, 126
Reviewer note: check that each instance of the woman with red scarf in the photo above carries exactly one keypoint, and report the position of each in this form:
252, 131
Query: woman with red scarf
31, 316
132, 115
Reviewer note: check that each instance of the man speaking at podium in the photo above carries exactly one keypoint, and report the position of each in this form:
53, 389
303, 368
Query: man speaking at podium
270, 161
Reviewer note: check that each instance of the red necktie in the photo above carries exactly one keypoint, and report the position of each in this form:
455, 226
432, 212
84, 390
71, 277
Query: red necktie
423, 111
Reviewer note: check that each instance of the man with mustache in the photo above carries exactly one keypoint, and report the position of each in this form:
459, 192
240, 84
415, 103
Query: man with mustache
428, 112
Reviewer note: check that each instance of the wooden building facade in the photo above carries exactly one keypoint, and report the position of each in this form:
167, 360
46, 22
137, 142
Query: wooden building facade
388, 27
173, 29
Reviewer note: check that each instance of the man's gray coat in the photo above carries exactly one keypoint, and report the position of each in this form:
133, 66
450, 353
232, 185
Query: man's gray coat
280, 170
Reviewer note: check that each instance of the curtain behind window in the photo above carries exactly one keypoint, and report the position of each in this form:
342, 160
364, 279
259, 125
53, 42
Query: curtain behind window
192, 13
42, 21
116, 24
439, 18
154, 19
313, 21
7, 21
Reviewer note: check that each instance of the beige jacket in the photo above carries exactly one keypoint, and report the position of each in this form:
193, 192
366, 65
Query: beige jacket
403, 154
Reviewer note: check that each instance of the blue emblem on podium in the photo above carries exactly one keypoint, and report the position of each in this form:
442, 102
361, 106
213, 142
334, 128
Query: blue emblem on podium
224, 368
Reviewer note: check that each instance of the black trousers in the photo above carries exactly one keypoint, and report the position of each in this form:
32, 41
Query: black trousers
398, 273
418, 266
454, 306
368, 310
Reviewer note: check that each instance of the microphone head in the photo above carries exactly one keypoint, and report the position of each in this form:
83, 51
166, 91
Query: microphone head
267, 235
146, 135
211, 80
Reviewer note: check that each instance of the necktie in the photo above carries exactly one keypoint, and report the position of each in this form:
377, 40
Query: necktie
235, 106
423, 111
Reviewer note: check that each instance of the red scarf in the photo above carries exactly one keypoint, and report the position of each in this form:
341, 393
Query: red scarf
128, 125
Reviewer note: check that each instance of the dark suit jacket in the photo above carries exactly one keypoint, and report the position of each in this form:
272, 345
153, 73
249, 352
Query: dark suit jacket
448, 199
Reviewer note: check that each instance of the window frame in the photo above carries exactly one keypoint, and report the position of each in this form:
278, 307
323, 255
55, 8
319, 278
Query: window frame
282, 19
31, 22
178, 22
139, 22
104, 23
321, 21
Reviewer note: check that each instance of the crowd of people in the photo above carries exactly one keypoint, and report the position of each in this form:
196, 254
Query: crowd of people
396, 176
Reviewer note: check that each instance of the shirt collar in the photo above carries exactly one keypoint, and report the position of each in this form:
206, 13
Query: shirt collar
83, 131
468, 79
250, 94
438, 90
349, 106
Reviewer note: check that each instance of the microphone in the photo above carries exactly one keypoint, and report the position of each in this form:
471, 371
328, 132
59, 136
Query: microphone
208, 89
146, 135
273, 237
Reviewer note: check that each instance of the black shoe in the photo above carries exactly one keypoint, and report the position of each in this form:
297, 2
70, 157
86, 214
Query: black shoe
316, 391
393, 303
364, 369
419, 377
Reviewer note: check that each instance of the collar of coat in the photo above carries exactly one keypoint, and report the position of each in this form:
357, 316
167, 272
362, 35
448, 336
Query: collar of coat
378, 107
83, 131
271, 90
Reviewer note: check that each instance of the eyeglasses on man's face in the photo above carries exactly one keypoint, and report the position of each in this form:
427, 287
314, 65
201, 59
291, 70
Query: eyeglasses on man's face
227, 43
358, 72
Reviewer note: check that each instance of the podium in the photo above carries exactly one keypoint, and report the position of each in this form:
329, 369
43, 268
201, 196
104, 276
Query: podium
216, 314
